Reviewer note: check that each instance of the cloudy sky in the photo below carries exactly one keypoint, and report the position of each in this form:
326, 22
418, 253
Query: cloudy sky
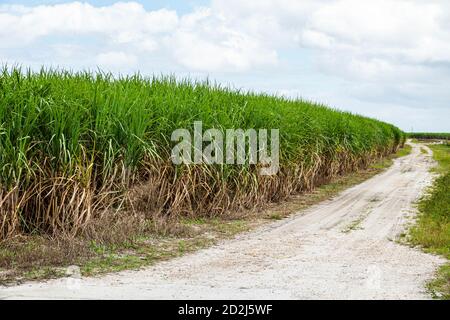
388, 59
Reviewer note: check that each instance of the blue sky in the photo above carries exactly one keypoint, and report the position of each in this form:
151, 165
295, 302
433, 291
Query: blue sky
178, 5
388, 59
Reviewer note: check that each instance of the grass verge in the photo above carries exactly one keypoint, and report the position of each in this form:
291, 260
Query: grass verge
404, 151
38, 257
432, 230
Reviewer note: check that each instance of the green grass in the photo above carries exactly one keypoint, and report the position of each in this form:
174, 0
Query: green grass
432, 231
404, 151
440, 286
441, 153
74, 145
275, 216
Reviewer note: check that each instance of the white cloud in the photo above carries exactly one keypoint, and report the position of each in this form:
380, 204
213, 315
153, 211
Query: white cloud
316, 39
381, 36
199, 41
21, 25
376, 36
116, 60
400, 49
395, 53
232, 35
205, 42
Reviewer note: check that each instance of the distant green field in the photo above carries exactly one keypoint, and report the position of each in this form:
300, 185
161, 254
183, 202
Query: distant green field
74, 145
429, 135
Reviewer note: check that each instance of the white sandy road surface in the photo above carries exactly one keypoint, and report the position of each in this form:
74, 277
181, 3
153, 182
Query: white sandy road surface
343, 248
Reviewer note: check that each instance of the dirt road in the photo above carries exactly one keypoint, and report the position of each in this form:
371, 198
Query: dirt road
343, 248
